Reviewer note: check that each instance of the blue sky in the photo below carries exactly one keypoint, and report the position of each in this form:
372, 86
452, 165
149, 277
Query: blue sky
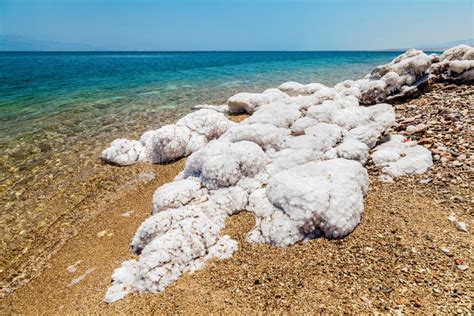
240, 24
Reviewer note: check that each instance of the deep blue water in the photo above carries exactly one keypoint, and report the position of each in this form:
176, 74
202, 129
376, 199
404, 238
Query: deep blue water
39, 88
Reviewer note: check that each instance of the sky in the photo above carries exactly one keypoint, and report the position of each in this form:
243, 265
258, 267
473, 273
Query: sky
240, 24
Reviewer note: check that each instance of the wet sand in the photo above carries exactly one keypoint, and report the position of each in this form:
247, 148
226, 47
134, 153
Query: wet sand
391, 262
53, 181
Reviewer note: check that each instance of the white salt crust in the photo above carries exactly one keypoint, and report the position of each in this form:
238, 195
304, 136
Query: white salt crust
297, 164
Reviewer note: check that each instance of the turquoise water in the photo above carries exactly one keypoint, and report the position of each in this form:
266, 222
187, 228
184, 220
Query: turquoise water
64, 108
37, 87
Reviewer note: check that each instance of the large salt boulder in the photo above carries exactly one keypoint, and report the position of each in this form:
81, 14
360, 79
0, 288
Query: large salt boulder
223, 164
169, 142
411, 63
404, 76
125, 152
379, 117
185, 243
295, 88
299, 126
399, 157
245, 102
266, 136
178, 193
209, 123
456, 64
325, 196
278, 114
460, 52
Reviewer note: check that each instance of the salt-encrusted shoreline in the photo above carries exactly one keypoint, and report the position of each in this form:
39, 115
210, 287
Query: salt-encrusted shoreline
296, 163
405, 255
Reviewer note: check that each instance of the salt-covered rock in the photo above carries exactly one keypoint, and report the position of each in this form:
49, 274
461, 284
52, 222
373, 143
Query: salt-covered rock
378, 117
124, 152
223, 108
279, 114
299, 126
353, 149
295, 88
365, 134
245, 102
325, 196
266, 136
290, 87
168, 255
403, 76
178, 193
222, 164
455, 64
169, 142
460, 52
399, 157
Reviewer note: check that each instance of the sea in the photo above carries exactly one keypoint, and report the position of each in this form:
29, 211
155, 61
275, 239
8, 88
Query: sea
59, 110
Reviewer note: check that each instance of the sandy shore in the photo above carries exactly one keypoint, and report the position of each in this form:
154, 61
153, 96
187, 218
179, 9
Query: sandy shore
392, 262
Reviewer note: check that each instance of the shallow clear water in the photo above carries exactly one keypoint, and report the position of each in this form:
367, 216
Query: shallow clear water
34, 87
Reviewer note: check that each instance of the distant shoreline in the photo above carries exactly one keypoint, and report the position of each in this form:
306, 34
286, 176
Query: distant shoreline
214, 51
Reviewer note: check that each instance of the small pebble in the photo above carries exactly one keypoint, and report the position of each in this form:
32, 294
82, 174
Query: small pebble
462, 267
426, 180
385, 178
461, 226
102, 233
127, 214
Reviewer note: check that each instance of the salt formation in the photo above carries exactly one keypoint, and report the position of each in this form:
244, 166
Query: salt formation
455, 64
247, 102
404, 76
399, 157
295, 88
297, 186
297, 164
169, 142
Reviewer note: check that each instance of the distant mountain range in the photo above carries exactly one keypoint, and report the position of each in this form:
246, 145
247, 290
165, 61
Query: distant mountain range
22, 43
446, 45
438, 47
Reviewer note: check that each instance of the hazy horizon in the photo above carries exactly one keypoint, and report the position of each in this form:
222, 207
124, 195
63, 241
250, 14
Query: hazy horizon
232, 25
13, 43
